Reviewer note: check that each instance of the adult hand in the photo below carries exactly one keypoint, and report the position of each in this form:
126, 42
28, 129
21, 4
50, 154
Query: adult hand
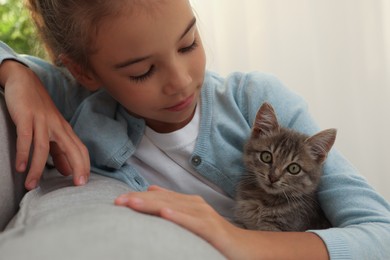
40, 128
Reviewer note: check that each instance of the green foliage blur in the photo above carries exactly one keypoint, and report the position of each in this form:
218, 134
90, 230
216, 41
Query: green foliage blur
17, 30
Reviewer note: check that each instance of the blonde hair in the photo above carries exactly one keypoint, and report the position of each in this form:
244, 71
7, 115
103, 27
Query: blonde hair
69, 26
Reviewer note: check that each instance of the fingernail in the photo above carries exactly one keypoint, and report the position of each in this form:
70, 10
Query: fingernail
82, 180
21, 167
32, 184
122, 200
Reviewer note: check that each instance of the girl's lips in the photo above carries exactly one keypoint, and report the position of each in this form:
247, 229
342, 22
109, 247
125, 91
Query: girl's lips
182, 105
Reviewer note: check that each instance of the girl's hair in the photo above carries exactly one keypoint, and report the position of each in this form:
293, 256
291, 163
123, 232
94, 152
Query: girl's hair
69, 26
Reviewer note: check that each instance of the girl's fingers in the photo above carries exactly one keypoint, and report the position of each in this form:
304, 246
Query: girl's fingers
77, 159
157, 198
59, 159
80, 159
70, 156
23, 145
156, 188
38, 124
137, 203
188, 211
69, 153
39, 154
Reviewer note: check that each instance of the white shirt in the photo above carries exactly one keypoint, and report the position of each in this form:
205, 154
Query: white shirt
163, 159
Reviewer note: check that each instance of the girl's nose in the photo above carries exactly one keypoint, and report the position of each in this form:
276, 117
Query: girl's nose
178, 79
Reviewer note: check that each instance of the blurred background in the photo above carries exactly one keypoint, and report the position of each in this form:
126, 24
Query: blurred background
16, 28
335, 53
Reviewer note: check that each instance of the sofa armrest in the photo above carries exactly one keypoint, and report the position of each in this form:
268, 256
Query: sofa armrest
61, 221
11, 183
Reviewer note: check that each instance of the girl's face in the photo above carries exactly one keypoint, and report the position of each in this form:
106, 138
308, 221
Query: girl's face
152, 62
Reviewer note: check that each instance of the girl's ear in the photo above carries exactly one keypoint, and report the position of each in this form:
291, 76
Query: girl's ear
84, 77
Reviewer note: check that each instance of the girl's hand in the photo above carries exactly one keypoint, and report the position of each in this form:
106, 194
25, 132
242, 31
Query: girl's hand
40, 127
192, 213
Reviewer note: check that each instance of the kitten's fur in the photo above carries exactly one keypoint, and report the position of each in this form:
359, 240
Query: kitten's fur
271, 198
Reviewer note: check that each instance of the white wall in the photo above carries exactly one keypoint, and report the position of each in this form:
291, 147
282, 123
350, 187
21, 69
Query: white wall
336, 53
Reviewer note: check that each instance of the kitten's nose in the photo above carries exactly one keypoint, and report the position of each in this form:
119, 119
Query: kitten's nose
273, 178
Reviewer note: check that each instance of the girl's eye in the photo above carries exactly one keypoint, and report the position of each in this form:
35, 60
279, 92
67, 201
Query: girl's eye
189, 48
294, 168
266, 157
144, 76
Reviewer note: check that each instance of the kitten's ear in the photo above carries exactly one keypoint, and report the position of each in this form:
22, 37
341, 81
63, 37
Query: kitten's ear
266, 122
321, 143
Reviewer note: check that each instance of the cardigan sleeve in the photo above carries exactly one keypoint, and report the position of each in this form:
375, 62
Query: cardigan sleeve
360, 216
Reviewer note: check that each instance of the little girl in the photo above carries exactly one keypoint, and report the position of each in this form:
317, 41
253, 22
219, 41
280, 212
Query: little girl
136, 92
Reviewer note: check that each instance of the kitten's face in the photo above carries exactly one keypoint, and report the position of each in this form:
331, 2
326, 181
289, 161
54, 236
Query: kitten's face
281, 160
282, 164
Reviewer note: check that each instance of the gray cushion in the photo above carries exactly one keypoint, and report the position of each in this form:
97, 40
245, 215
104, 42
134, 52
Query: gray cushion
61, 221
11, 183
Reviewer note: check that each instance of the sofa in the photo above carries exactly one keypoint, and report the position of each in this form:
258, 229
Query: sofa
58, 220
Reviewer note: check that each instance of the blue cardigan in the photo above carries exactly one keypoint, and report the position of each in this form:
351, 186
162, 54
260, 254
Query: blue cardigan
361, 217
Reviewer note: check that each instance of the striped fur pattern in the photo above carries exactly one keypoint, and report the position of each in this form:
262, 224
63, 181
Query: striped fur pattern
283, 170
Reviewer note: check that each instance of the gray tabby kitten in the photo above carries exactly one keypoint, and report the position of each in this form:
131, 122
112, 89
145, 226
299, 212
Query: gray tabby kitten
283, 170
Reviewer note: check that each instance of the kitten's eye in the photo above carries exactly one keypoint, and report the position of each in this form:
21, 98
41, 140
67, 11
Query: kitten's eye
294, 168
266, 157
